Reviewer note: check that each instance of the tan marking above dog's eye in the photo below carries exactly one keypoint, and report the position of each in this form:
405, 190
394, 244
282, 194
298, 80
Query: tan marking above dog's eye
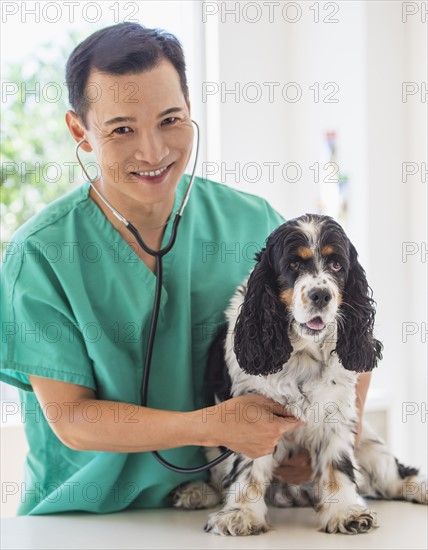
304, 252
327, 250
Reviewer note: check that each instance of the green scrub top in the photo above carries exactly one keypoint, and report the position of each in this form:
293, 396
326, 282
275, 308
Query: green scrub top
76, 307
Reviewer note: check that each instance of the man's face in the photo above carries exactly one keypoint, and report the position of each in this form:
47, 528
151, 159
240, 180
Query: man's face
139, 123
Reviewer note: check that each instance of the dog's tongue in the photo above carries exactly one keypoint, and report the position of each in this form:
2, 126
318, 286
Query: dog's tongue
316, 324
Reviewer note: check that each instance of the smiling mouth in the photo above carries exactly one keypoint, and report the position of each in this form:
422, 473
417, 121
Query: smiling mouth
153, 175
316, 324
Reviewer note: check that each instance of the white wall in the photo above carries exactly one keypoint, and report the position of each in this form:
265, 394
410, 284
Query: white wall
397, 214
415, 150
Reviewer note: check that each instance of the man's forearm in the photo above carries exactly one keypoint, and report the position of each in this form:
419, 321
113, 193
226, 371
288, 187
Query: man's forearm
98, 425
86, 423
361, 394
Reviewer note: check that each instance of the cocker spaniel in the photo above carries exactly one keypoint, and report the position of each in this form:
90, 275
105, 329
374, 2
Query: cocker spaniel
300, 329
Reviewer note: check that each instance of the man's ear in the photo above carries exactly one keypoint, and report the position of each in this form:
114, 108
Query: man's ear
77, 129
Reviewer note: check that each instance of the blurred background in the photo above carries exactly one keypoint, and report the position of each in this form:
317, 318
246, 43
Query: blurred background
315, 106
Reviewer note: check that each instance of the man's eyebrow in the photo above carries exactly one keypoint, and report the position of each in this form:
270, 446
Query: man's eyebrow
120, 119
169, 111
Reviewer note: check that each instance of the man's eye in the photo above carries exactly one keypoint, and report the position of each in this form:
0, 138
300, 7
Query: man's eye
335, 266
122, 130
168, 121
294, 266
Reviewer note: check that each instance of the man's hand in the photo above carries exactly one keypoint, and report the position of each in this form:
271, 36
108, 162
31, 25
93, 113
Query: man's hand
250, 424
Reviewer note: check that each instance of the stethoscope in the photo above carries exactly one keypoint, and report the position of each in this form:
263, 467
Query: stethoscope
158, 254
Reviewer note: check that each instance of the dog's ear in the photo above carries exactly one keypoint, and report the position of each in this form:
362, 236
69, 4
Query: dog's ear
357, 348
261, 344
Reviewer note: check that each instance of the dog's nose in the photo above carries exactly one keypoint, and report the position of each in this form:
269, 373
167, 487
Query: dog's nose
319, 297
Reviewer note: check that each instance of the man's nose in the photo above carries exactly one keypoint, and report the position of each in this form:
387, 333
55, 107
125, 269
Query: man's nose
320, 297
151, 149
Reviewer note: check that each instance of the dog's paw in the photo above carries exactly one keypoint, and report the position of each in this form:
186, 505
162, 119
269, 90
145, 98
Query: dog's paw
194, 496
237, 522
356, 519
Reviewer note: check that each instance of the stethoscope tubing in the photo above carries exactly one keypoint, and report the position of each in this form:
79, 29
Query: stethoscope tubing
158, 254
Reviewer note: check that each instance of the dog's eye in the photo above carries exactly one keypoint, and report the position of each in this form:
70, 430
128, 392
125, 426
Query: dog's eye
294, 266
335, 266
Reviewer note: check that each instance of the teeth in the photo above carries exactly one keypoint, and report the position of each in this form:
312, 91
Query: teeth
152, 173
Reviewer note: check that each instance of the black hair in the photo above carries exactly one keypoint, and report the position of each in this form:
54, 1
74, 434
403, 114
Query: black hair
125, 48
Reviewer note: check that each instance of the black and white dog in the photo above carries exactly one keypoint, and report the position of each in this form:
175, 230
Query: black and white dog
300, 329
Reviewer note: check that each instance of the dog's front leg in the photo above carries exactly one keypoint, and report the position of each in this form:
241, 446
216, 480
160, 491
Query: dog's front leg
244, 487
340, 507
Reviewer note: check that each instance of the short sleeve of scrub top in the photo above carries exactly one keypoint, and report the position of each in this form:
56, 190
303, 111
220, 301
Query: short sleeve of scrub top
76, 307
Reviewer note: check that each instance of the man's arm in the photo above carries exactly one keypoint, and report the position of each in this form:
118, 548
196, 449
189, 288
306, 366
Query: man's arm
86, 423
362, 388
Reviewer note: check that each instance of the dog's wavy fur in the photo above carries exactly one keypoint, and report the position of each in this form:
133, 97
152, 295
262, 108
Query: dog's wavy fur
300, 329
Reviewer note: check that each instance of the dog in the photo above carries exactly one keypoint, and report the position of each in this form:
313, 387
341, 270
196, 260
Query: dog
299, 331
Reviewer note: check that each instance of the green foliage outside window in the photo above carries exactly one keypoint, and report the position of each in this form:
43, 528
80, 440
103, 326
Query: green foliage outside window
38, 163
